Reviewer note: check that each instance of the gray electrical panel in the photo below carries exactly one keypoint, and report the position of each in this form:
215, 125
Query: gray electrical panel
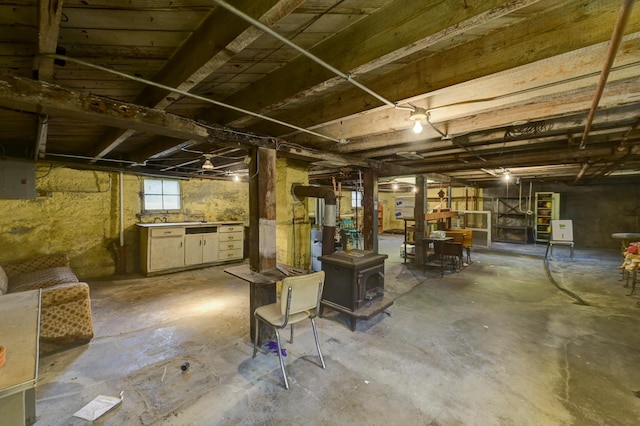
17, 179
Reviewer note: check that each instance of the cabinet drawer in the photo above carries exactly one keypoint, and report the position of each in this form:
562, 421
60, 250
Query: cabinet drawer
230, 236
230, 245
167, 232
230, 254
234, 228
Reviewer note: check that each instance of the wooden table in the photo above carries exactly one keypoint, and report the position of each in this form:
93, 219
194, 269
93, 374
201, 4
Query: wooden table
435, 241
262, 291
626, 237
19, 333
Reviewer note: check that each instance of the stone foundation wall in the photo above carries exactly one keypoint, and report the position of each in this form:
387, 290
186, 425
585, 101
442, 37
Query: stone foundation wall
77, 211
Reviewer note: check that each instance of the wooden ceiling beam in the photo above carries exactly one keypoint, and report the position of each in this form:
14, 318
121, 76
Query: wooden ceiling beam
395, 32
49, 15
406, 140
220, 36
544, 37
45, 98
569, 74
521, 159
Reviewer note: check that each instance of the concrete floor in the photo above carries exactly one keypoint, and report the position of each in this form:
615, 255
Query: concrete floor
496, 344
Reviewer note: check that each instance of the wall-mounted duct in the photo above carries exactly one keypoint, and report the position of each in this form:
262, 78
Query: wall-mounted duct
329, 222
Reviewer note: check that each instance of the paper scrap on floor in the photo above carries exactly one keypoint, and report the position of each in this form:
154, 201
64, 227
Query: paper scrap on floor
98, 406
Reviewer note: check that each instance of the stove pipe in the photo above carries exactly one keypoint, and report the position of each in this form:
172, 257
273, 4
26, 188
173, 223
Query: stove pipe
329, 220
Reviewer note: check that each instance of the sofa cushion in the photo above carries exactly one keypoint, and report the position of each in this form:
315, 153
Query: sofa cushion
64, 293
4, 281
39, 262
42, 278
65, 318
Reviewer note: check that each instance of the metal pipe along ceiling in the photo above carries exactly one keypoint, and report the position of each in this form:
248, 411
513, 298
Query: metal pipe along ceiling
616, 39
345, 76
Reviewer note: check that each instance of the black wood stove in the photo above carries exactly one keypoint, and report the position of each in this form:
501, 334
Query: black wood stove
354, 284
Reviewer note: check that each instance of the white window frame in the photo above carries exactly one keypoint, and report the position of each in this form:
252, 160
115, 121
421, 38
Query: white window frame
164, 199
356, 199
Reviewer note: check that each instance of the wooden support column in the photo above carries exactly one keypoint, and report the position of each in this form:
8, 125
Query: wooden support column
262, 233
370, 213
262, 210
419, 215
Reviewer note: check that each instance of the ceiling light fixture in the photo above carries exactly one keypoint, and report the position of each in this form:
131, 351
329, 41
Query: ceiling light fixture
507, 175
417, 115
236, 178
207, 165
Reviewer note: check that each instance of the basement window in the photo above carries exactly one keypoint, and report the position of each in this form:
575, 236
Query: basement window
356, 199
161, 194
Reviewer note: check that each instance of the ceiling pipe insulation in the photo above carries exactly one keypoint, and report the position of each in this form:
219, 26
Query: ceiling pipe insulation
329, 219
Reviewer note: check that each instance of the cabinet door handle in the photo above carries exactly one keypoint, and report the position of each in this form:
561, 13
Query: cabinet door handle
204, 243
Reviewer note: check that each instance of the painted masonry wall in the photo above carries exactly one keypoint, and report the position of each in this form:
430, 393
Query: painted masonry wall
596, 211
293, 225
77, 211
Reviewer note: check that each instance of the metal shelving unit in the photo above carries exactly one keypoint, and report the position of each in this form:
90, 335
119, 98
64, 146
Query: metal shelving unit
511, 224
547, 209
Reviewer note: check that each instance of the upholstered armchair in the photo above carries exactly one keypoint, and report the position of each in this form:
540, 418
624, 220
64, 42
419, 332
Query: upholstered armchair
65, 317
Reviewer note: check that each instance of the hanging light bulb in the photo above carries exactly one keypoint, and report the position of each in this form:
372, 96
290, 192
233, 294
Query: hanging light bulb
236, 178
395, 186
417, 115
507, 175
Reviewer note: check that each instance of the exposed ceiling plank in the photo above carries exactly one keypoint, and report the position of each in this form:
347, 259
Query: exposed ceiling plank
398, 30
216, 40
499, 51
49, 15
480, 69
565, 73
520, 159
40, 97
549, 108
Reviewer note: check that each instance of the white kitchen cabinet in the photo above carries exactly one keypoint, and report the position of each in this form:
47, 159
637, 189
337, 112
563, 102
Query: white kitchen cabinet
167, 247
164, 248
201, 247
231, 242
